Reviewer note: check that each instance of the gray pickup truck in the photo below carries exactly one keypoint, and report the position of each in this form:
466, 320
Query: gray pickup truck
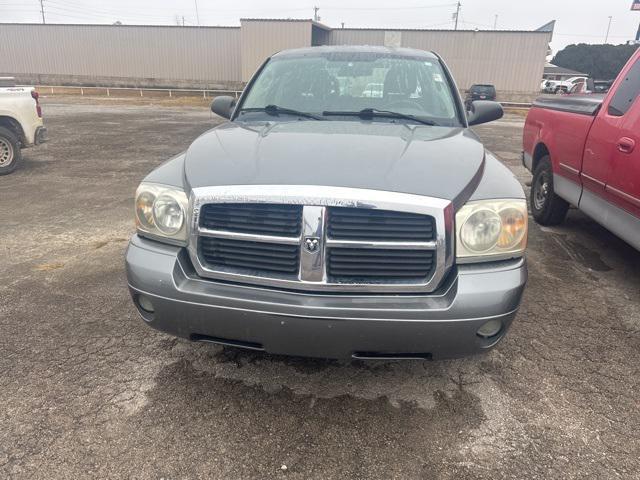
323, 221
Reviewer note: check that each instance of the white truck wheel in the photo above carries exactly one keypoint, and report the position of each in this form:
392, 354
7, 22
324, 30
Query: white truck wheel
10, 153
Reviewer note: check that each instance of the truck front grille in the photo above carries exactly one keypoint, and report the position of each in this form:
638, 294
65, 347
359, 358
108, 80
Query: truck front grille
261, 219
364, 224
249, 256
321, 238
366, 264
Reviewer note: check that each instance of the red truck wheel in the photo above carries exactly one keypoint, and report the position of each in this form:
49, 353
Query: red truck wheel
547, 207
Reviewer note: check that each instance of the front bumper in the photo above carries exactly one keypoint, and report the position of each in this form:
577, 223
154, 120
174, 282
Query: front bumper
439, 325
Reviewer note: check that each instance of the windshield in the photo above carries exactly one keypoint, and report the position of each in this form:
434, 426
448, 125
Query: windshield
351, 82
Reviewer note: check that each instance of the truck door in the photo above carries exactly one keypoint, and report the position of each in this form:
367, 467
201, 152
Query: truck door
623, 179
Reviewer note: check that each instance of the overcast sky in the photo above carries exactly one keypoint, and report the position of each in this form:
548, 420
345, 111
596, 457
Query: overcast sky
578, 21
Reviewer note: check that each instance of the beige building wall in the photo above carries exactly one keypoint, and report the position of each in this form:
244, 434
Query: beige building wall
123, 52
512, 61
225, 57
262, 38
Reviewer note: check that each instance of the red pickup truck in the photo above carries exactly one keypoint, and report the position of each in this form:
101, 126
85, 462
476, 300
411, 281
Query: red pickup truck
584, 150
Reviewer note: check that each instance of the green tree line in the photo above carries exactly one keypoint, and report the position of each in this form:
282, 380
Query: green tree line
601, 62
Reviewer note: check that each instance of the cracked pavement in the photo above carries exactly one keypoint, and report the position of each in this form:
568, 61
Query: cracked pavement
87, 390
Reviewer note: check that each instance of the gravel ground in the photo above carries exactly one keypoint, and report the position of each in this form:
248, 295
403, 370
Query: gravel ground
87, 390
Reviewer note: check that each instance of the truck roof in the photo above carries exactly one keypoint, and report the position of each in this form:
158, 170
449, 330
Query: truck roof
387, 51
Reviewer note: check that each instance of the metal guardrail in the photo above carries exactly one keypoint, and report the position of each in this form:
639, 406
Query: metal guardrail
206, 93
109, 90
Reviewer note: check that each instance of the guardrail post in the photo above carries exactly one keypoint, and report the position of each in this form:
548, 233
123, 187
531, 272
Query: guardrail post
169, 93
108, 94
140, 92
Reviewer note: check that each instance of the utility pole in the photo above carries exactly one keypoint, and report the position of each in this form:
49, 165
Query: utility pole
316, 18
495, 22
183, 20
42, 11
606, 38
197, 14
457, 15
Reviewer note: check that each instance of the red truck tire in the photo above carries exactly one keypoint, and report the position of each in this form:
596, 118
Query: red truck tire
547, 208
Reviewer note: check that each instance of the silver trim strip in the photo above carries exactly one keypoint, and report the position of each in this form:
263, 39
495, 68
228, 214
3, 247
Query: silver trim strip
330, 242
569, 168
249, 237
591, 179
625, 196
312, 275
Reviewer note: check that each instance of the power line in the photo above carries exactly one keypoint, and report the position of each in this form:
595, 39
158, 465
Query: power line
423, 7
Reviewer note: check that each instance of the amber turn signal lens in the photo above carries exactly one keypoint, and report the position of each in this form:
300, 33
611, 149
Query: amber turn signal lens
514, 226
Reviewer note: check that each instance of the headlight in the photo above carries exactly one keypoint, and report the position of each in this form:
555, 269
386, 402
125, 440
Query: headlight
160, 213
491, 230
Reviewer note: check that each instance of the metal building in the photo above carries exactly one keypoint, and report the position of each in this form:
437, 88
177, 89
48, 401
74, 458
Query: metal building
226, 57
116, 55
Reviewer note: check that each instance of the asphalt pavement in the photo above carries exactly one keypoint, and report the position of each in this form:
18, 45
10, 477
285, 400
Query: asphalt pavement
88, 391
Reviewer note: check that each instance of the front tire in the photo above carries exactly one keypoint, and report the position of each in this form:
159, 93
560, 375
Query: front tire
10, 154
546, 206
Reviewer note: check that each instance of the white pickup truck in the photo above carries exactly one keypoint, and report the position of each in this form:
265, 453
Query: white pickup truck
561, 86
21, 124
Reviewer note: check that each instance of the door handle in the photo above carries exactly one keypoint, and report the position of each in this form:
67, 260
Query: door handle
626, 145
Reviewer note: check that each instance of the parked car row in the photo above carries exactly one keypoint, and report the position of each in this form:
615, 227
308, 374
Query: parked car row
575, 85
561, 86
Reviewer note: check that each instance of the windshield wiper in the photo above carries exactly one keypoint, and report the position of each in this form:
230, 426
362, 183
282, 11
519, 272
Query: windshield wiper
276, 110
367, 113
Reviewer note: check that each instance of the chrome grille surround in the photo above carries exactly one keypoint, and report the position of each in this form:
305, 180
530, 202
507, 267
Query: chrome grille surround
312, 275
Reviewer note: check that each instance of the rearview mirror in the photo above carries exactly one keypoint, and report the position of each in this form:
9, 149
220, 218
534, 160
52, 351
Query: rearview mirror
223, 106
483, 111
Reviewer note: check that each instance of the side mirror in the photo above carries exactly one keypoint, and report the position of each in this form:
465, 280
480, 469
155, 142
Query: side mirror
483, 111
223, 106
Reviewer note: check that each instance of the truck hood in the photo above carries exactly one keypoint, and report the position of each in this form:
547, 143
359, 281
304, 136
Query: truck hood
438, 162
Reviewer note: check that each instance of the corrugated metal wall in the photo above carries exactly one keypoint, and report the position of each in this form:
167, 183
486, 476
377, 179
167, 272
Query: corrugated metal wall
512, 61
263, 38
197, 56
171, 53
356, 37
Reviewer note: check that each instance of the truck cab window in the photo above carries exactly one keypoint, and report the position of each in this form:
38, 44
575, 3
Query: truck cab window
627, 92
